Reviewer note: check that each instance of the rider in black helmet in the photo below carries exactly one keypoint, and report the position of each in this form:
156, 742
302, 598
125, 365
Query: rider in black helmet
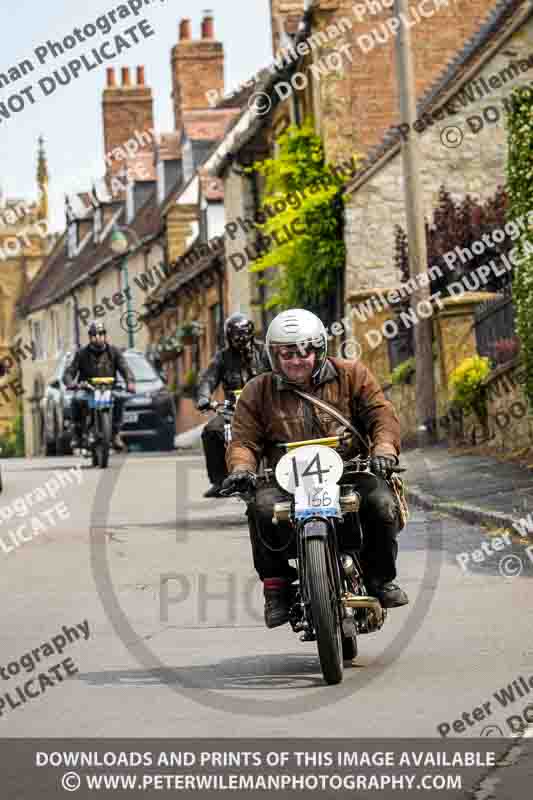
235, 365
98, 359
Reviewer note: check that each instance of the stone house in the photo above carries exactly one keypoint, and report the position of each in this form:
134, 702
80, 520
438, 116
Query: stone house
318, 71
462, 137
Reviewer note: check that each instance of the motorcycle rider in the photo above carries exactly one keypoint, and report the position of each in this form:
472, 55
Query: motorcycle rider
241, 360
98, 359
268, 413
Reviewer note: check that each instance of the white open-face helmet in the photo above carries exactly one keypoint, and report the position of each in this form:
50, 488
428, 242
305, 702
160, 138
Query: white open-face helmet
297, 328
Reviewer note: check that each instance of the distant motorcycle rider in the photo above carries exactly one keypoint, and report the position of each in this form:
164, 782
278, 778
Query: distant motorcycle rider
233, 367
269, 413
98, 359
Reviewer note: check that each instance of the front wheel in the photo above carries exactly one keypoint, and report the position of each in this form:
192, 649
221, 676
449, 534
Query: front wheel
323, 598
104, 440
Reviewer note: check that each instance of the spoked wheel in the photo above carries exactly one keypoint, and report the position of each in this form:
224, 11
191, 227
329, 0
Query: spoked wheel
104, 443
322, 595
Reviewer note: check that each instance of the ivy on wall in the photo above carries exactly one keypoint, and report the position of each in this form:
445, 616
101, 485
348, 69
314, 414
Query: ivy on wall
306, 268
520, 189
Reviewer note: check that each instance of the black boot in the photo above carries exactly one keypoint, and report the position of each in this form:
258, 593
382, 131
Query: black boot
390, 595
278, 597
213, 491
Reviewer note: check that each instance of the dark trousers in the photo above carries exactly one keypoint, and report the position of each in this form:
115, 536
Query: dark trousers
215, 450
273, 545
80, 412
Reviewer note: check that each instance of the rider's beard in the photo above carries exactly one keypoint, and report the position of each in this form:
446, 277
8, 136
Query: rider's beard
299, 375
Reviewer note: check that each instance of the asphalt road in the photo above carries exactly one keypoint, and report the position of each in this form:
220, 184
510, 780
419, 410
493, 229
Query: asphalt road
203, 664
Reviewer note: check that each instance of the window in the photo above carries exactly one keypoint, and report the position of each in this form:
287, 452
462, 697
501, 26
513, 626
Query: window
97, 224
37, 338
215, 322
72, 242
68, 326
56, 337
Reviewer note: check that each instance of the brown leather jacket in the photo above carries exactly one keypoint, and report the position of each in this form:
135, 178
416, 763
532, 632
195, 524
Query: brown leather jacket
268, 412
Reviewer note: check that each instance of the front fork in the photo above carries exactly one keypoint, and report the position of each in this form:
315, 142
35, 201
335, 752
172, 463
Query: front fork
326, 530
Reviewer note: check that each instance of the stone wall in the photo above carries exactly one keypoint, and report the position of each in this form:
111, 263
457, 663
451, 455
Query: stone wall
403, 398
509, 425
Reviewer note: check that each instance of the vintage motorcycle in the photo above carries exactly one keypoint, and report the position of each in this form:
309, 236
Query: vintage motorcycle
226, 410
99, 423
331, 603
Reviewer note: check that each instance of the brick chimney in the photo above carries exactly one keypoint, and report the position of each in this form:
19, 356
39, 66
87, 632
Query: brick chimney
197, 67
127, 109
285, 16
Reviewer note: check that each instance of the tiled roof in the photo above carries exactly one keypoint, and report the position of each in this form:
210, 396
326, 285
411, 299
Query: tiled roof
240, 98
495, 27
60, 273
183, 274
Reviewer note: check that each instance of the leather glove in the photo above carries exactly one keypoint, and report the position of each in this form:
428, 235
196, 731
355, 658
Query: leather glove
242, 480
203, 404
382, 465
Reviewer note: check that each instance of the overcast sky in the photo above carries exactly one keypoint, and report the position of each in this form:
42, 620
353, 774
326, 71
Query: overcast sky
70, 119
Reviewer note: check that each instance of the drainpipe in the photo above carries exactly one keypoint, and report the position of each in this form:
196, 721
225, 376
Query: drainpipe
262, 288
220, 276
76, 322
125, 282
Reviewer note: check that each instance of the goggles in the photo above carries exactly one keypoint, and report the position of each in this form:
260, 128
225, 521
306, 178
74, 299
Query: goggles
300, 352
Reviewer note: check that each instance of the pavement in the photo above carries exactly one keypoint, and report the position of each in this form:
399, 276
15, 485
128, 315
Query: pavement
190, 440
478, 489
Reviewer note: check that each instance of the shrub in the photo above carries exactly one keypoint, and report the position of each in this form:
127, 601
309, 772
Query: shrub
520, 181
506, 349
12, 440
190, 378
467, 384
403, 372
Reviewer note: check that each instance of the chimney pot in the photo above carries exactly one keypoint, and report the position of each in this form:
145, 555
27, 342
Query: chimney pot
125, 76
111, 76
208, 25
185, 30
140, 76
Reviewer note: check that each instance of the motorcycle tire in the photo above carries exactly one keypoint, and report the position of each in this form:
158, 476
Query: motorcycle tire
104, 444
322, 595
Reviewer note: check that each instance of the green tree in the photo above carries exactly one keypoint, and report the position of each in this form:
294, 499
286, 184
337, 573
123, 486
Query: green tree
520, 186
308, 267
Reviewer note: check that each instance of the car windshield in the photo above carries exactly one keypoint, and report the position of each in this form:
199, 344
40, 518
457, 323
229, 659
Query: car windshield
141, 369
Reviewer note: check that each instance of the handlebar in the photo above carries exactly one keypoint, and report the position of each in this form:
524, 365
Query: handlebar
227, 405
87, 386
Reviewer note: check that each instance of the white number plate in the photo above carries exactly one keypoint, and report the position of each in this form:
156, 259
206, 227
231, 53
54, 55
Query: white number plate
308, 467
130, 417
323, 500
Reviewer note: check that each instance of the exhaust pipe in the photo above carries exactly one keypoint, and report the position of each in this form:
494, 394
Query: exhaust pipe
364, 601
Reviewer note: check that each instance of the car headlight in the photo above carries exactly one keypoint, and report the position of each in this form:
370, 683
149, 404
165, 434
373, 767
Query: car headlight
142, 400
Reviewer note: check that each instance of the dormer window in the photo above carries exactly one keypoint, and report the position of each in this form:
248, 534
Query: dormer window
72, 238
72, 229
97, 223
